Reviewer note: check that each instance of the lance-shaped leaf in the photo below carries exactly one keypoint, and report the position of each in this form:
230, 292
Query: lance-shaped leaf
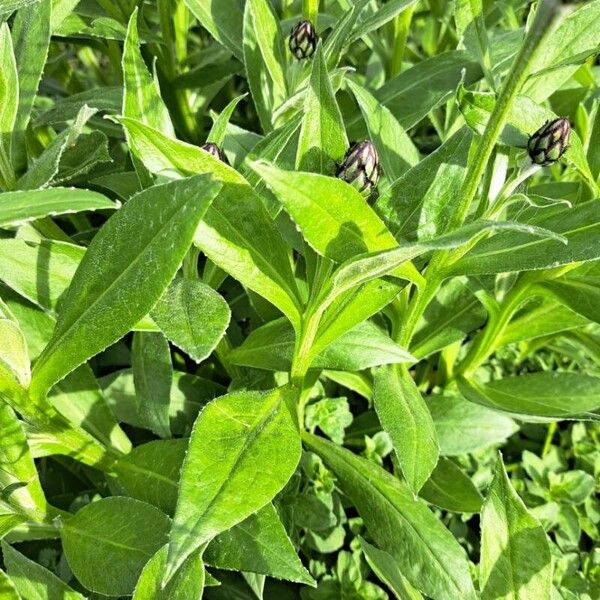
243, 449
141, 95
272, 347
32, 580
152, 375
108, 542
396, 149
334, 218
367, 267
323, 138
237, 232
192, 316
405, 416
187, 583
223, 19
9, 92
31, 35
259, 544
427, 554
19, 482
19, 207
126, 268
554, 395
515, 554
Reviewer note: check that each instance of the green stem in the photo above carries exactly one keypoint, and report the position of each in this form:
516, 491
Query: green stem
515, 79
401, 28
489, 337
310, 10
552, 428
419, 302
480, 154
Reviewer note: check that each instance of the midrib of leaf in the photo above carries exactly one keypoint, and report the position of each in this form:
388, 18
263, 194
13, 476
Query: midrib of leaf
248, 442
534, 242
129, 466
107, 541
58, 341
259, 259
374, 485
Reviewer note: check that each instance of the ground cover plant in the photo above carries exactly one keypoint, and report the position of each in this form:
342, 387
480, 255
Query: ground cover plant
299, 299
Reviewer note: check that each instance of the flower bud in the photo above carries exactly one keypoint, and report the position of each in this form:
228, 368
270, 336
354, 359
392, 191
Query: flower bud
303, 40
360, 167
215, 151
549, 142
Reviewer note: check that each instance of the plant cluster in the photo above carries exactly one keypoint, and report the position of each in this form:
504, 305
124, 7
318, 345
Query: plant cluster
299, 299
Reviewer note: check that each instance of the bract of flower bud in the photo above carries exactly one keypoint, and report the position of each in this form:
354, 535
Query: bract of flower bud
360, 167
303, 40
549, 142
213, 149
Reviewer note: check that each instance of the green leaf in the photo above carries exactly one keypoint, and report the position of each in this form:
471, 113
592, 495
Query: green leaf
427, 85
580, 294
573, 40
367, 267
20, 486
223, 19
14, 361
331, 416
19, 207
372, 18
386, 568
39, 271
219, 127
45, 168
193, 317
141, 95
515, 554
464, 427
402, 204
259, 544
108, 542
8, 591
127, 267
425, 551
334, 218
518, 251
450, 317
272, 346
77, 397
187, 583
31, 35
396, 150
323, 140
451, 489
270, 43
405, 417
236, 233
32, 581
150, 472
152, 374
9, 91
341, 33
557, 395
243, 450
188, 395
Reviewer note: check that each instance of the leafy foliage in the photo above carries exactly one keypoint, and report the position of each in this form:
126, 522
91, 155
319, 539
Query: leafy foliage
299, 299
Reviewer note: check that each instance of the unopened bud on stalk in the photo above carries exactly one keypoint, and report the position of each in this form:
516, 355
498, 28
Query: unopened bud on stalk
303, 40
360, 167
549, 142
215, 151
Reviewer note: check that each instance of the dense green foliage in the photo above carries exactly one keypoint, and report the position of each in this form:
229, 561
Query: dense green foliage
299, 299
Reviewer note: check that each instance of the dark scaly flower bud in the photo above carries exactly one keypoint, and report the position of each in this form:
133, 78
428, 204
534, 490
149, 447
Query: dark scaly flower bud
303, 40
215, 151
360, 167
549, 142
